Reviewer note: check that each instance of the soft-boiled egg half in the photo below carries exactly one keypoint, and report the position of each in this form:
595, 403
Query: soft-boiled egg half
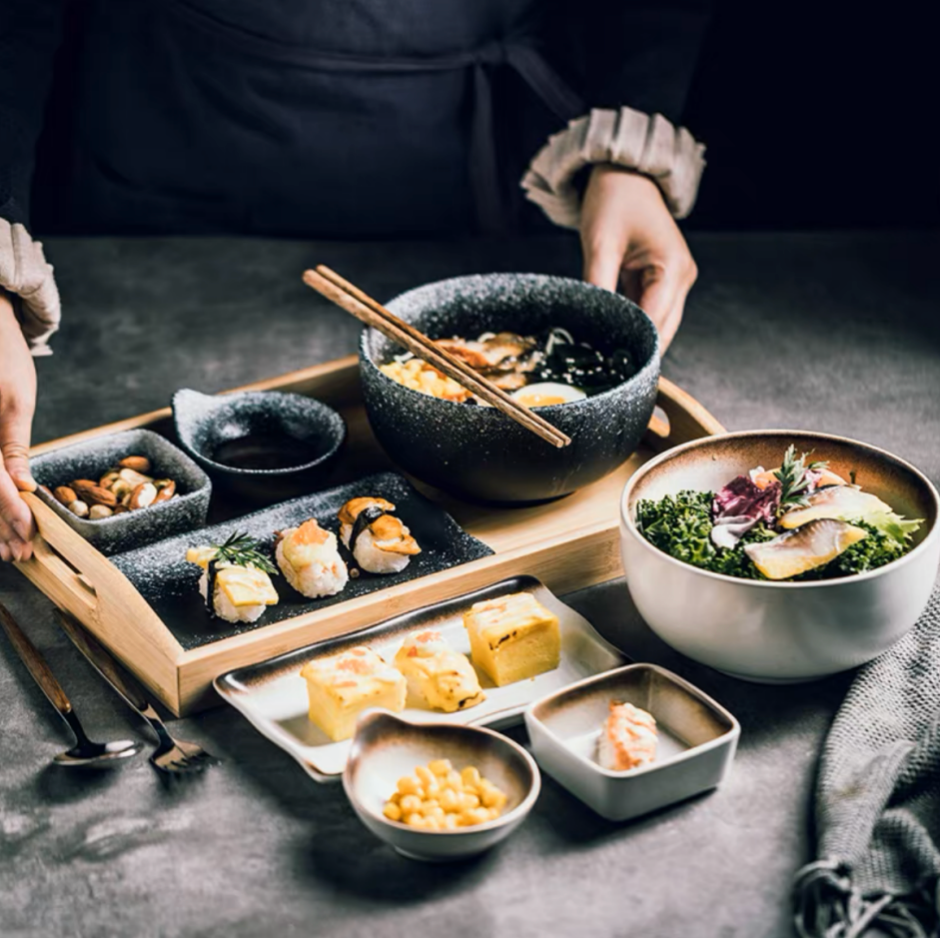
544, 393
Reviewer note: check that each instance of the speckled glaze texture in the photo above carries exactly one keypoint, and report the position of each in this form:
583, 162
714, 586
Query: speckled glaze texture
91, 459
479, 452
170, 584
780, 632
204, 421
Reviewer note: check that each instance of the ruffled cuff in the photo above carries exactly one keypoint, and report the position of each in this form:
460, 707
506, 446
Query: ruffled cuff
670, 156
25, 273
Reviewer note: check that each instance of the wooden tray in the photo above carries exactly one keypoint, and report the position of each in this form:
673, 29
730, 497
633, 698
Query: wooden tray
567, 544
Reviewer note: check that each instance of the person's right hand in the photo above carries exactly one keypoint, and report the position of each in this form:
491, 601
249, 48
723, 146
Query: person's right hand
17, 404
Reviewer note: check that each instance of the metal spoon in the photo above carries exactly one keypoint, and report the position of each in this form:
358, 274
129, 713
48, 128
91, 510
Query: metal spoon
85, 752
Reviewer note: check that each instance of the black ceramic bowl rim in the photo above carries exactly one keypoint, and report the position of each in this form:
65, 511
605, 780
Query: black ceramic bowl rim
331, 421
651, 363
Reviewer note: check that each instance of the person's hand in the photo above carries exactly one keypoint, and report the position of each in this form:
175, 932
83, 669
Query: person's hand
17, 403
628, 236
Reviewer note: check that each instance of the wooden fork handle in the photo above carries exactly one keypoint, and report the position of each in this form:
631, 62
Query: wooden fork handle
35, 662
102, 661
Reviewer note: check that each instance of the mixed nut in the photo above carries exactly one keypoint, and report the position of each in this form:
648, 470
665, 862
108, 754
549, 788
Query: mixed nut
125, 487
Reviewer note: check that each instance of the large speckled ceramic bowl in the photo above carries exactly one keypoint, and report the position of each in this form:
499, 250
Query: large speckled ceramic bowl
479, 452
92, 458
308, 436
779, 632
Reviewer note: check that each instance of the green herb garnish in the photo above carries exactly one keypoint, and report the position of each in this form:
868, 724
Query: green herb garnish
242, 550
681, 527
793, 481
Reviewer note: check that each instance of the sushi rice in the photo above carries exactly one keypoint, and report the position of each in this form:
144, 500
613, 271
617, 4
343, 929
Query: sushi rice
308, 556
224, 607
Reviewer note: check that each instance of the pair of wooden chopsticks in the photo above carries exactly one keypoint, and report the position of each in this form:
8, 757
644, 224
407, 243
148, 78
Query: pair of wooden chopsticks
373, 313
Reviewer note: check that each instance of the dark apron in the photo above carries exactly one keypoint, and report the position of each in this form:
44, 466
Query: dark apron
385, 123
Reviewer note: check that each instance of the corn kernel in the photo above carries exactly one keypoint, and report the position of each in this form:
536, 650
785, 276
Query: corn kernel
424, 776
470, 776
491, 796
468, 802
440, 767
410, 804
479, 815
439, 798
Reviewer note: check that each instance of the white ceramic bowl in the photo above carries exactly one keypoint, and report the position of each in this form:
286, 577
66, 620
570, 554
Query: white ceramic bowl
697, 740
386, 747
779, 632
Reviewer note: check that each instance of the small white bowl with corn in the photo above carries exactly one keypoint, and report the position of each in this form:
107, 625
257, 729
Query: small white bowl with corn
436, 791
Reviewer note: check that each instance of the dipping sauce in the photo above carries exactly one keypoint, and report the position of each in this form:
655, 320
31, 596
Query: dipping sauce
266, 451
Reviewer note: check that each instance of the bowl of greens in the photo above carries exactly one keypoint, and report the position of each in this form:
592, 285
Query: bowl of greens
780, 555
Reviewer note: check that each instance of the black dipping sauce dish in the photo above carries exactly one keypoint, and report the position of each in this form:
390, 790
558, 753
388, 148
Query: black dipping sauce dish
260, 446
478, 452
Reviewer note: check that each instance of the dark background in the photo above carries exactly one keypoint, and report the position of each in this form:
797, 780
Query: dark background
815, 115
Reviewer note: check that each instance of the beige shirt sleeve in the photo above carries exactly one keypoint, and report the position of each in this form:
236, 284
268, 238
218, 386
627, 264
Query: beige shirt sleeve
651, 145
25, 273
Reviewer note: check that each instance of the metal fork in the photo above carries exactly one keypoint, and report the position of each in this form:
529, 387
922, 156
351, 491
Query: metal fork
174, 756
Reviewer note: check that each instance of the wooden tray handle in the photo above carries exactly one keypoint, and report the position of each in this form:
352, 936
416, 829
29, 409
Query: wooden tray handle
82, 581
76, 587
688, 419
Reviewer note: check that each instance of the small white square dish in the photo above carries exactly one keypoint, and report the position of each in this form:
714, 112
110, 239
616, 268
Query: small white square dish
273, 696
697, 740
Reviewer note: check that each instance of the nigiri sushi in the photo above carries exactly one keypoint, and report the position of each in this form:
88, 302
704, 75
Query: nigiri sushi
437, 674
309, 559
628, 739
234, 582
378, 540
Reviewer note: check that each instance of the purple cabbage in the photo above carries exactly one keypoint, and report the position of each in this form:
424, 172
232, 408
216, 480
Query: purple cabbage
741, 505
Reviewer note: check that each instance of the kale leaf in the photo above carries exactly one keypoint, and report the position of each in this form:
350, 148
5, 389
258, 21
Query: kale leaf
680, 526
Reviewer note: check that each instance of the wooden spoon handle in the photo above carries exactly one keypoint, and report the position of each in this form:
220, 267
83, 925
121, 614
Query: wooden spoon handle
35, 662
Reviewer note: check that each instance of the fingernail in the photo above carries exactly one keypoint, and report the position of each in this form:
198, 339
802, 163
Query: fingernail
25, 483
16, 550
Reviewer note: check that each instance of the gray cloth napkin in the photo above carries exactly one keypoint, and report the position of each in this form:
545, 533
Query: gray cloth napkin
878, 800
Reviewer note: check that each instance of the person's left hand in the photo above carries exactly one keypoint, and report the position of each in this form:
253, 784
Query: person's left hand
628, 235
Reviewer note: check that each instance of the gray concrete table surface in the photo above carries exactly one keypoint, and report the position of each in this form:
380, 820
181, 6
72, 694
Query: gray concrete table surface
837, 332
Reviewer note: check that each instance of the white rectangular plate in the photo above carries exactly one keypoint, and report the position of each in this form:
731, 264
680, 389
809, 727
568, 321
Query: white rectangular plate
273, 696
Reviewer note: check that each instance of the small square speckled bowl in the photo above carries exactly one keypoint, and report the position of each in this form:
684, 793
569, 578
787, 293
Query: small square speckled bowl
91, 459
697, 740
